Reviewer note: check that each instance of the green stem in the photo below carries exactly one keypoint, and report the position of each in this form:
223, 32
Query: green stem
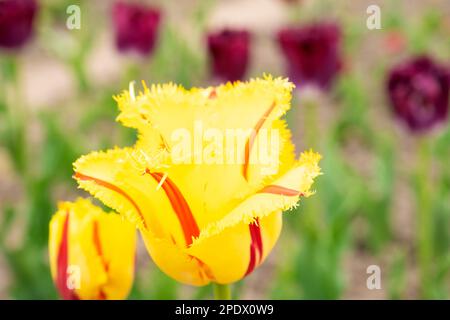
424, 218
16, 115
312, 210
80, 73
222, 291
311, 131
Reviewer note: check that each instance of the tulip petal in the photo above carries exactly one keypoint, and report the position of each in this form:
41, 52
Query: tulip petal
239, 104
234, 252
113, 177
115, 235
96, 174
59, 248
248, 233
281, 194
176, 262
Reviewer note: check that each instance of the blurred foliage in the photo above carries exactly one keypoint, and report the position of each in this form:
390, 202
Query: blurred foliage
319, 234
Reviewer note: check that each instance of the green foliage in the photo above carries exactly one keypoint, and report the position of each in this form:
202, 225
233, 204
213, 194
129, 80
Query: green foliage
175, 60
397, 277
317, 235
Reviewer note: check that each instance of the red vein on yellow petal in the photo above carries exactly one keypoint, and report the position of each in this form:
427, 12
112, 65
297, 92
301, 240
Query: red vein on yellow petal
63, 262
114, 188
256, 246
98, 245
102, 295
280, 190
205, 270
179, 205
251, 140
257, 237
98, 248
252, 262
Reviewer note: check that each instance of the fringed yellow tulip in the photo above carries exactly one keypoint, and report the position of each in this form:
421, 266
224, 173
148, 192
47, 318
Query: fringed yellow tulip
207, 202
92, 253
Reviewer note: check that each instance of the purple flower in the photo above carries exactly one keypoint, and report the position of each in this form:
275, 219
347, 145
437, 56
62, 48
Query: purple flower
136, 27
16, 22
419, 92
312, 53
229, 54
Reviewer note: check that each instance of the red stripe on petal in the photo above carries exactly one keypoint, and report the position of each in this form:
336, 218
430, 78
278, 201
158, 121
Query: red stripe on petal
102, 295
251, 140
252, 262
62, 264
256, 246
114, 188
180, 206
274, 189
205, 271
98, 245
257, 238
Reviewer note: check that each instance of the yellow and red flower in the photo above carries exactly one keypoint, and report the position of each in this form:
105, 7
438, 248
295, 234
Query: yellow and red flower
92, 253
202, 222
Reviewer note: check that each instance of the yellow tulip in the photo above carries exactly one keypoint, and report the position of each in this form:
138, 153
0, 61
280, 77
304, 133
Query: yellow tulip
91, 252
209, 210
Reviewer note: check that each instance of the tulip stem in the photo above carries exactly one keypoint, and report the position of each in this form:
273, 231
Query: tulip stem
425, 218
222, 291
311, 131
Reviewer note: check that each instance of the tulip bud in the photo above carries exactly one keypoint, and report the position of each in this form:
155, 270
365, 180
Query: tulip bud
91, 252
229, 54
419, 92
136, 27
16, 22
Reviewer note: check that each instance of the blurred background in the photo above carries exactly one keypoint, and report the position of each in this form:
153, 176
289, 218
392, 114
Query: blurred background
384, 198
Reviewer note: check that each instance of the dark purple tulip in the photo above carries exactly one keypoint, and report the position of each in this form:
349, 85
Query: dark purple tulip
312, 53
136, 27
419, 92
229, 54
16, 22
